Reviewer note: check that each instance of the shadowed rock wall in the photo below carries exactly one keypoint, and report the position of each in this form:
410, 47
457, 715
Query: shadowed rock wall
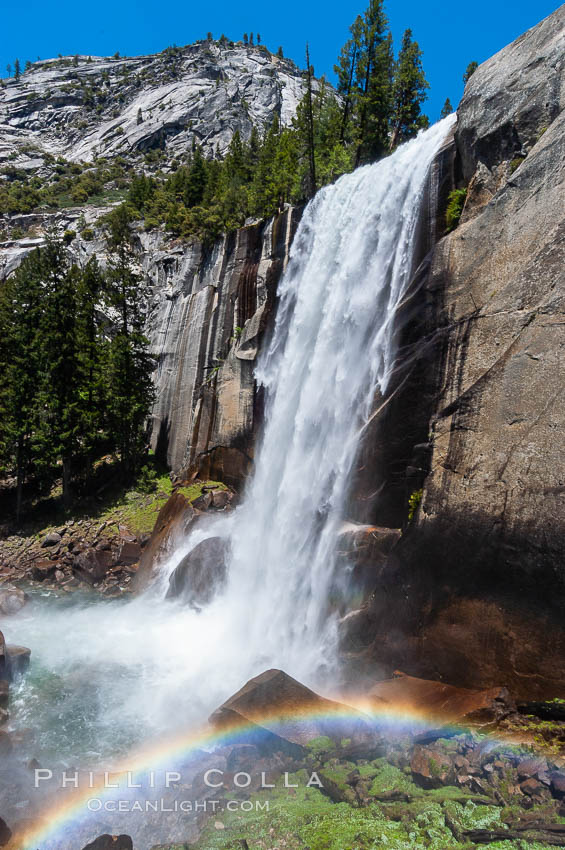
475, 590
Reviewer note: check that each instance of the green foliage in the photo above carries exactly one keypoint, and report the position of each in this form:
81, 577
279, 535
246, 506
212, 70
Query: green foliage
516, 163
69, 184
71, 386
455, 204
469, 71
414, 502
409, 92
446, 109
147, 479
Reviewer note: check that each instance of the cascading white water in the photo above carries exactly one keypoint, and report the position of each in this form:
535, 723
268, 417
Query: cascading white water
151, 663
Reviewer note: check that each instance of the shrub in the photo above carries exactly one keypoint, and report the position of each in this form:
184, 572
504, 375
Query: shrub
68, 236
147, 480
414, 502
455, 204
87, 234
516, 163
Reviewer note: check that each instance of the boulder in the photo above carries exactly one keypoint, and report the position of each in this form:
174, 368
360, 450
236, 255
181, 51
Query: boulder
173, 522
442, 702
431, 767
129, 553
12, 599
201, 573
110, 842
281, 712
43, 569
558, 784
18, 659
51, 539
220, 499
93, 564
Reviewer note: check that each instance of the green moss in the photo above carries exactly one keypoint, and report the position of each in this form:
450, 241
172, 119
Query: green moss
319, 745
455, 204
516, 163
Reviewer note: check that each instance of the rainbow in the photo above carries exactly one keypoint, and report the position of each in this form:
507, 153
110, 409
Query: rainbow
59, 819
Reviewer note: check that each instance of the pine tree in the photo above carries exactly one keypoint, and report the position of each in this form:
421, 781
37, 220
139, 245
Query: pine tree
280, 53
310, 128
196, 181
127, 363
446, 109
469, 71
250, 38
346, 71
258, 38
245, 38
20, 375
9, 69
17, 70
58, 430
409, 92
373, 82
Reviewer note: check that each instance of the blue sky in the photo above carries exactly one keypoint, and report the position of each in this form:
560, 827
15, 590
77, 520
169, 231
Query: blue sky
450, 34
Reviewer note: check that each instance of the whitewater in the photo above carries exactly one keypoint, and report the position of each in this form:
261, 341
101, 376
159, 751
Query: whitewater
108, 675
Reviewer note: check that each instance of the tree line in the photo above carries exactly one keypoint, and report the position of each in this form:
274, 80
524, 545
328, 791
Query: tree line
75, 370
378, 106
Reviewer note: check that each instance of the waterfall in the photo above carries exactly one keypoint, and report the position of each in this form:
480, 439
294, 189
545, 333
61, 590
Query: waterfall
155, 662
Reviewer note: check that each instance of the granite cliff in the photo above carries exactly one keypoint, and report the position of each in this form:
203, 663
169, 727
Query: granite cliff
477, 581
84, 107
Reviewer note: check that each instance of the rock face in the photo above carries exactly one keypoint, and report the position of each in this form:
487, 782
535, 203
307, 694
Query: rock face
276, 702
444, 703
474, 592
201, 573
87, 107
207, 316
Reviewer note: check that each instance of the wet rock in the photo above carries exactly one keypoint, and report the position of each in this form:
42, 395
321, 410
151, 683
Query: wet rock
4, 716
431, 767
18, 660
531, 767
173, 522
5, 833
12, 600
92, 565
43, 569
51, 539
443, 701
220, 498
203, 502
201, 573
110, 842
339, 792
558, 784
295, 714
365, 547
243, 758
128, 553
5, 744
532, 787
4, 673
